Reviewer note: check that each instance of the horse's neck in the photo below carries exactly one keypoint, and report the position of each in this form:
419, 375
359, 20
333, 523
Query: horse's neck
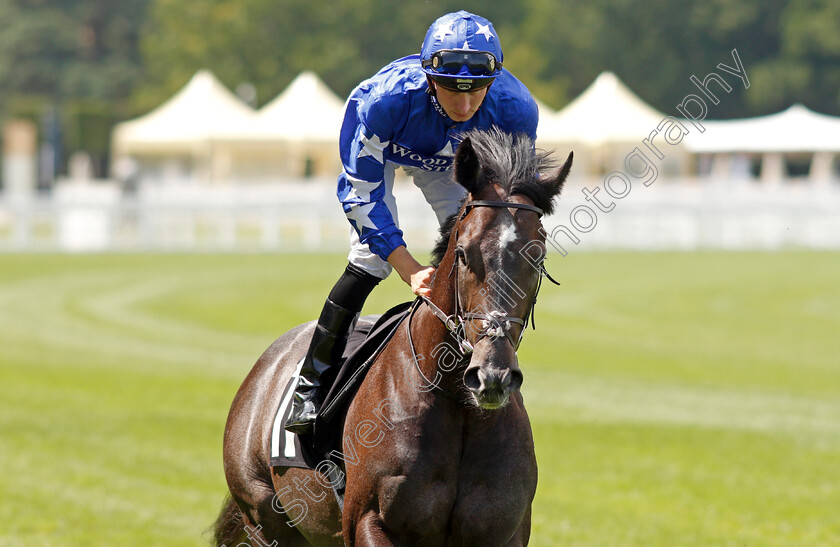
433, 344
443, 289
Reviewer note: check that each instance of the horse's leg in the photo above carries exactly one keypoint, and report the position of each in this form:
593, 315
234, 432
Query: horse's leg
370, 531
265, 527
247, 444
523, 533
306, 506
403, 491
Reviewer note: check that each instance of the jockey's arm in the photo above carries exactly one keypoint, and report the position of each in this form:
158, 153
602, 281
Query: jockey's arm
417, 276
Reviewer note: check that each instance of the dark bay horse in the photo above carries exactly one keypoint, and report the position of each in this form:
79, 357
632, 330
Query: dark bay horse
437, 444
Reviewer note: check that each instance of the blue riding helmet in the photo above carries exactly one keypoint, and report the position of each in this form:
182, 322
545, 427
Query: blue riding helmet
462, 52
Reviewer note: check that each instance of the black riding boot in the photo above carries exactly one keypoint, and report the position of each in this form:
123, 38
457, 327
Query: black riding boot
328, 341
326, 347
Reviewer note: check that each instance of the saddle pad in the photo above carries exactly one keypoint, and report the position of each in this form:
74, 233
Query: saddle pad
307, 451
285, 446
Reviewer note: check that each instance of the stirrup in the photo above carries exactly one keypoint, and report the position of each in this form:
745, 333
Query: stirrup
302, 419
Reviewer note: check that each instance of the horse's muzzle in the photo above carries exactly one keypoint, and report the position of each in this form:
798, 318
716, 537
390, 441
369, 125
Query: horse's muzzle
492, 377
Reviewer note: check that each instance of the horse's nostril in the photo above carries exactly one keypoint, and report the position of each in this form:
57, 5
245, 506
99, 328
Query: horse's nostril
472, 379
515, 379
504, 379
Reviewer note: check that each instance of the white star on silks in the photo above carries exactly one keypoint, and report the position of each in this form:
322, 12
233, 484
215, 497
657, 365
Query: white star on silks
443, 33
360, 189
485, 30
361, 216
446, 150
466, 45
373, 147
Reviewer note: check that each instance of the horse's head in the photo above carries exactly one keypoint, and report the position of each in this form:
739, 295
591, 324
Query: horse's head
494, 253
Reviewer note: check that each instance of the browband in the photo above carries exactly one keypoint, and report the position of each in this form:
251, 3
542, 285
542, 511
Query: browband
502, 204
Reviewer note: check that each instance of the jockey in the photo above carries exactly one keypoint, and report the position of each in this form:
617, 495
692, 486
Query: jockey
409, 114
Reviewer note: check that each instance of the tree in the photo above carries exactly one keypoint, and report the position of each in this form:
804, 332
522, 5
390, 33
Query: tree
69, 49
79, 57
809, 57
556, 48
268, 42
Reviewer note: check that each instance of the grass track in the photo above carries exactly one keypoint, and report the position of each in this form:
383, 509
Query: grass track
677, 399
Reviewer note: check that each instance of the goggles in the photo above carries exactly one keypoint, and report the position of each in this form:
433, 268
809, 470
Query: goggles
452, 62
461, 84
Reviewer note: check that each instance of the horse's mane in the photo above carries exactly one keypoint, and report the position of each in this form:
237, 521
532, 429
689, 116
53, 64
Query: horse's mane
512, 162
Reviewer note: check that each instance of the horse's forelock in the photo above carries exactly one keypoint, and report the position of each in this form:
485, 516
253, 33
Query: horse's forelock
511, 162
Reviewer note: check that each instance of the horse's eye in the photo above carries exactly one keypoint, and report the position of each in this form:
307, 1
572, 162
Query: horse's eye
461, 254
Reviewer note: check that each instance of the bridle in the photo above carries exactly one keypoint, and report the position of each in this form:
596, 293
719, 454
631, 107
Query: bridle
497, 323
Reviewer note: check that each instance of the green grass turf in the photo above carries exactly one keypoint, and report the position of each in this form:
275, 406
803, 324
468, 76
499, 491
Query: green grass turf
676, 399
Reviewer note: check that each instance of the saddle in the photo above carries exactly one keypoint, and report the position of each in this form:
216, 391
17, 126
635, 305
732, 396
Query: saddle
339, 384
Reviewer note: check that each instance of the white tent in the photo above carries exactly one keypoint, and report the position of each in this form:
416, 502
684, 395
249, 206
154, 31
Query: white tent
306, 111
296, 134
602, 126
203, 111
606, 112
547, 115
796, 129
795, 136
546, 112
205, 133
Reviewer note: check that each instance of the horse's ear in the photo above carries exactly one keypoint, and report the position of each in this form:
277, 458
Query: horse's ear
467, 168
556, 178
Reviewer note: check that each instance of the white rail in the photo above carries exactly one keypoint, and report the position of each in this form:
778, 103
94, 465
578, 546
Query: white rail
668, 215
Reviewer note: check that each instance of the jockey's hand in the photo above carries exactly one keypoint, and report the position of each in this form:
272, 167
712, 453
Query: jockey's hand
421, 282
417, 276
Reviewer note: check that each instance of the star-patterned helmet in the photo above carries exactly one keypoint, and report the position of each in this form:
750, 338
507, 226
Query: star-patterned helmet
462, 52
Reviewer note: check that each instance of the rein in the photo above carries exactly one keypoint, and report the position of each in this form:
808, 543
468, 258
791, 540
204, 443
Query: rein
499, 324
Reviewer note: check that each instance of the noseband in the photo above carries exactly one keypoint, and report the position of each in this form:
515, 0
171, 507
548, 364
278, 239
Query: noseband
497, 324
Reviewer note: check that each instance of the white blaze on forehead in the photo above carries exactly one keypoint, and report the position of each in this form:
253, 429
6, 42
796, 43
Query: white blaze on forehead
507, 235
